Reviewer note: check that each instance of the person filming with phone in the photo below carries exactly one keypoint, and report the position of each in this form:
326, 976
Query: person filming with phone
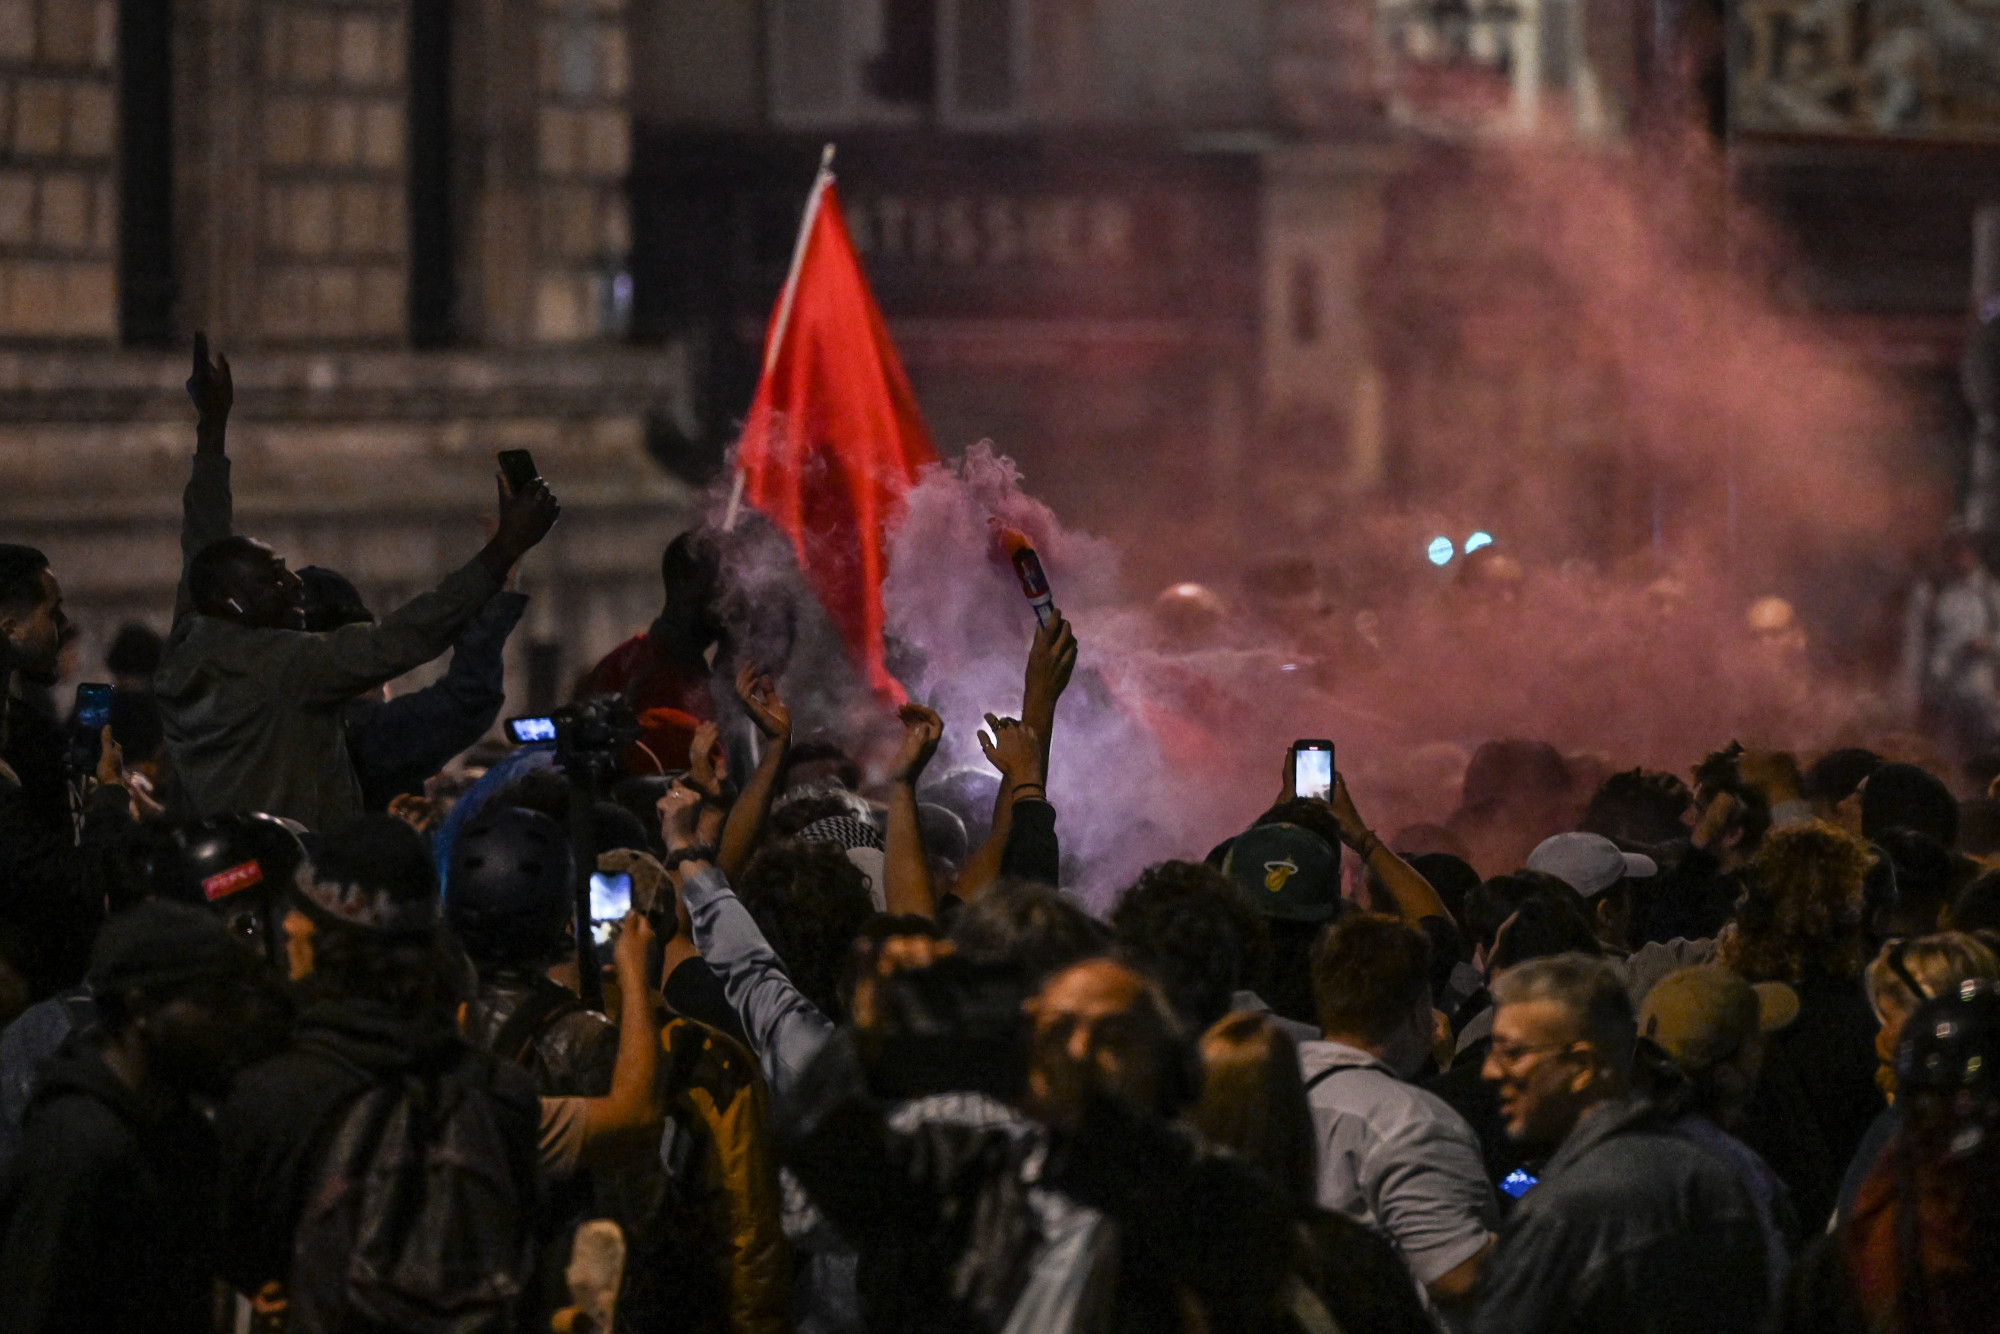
251, 701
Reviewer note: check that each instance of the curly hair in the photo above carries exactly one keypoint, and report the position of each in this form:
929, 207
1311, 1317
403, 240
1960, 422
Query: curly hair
1720, 774
1189, 928
1803, 913
1638, 806
810, 902
423, 978
1028, 926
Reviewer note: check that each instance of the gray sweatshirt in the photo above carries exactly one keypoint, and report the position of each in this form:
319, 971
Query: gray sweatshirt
253, 717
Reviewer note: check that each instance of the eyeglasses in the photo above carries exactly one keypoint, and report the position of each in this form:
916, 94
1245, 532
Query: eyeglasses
1509, 1056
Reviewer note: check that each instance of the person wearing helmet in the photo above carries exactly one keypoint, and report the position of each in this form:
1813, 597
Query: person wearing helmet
232, 866
510, 903
238, 865
1921, 1251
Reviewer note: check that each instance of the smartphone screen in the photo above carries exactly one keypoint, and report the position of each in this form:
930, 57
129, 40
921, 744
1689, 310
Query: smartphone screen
524, 730
1312, 770
518, 467
610, 900
93, 706
1518, 1183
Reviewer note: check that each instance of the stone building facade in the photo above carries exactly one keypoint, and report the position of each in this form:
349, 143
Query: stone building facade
1104, 231
406, 223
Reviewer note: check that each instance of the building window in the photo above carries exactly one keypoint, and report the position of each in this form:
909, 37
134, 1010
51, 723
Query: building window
146, 287
1305, 305
906, 69
982, 57
895, 62
432, 286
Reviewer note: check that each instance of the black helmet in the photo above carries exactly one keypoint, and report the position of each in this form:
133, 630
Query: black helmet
510, 896
237, 865
1951, 1044
239, 854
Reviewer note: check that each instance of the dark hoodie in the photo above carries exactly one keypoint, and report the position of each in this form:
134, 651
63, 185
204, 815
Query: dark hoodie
111, 1213
283, 1113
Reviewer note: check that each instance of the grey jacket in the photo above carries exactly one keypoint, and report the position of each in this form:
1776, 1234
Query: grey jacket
1632, 1230
786, 1032
253, 717
785, 1029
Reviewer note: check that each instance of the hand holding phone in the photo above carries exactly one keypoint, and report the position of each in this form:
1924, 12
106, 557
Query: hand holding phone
610, 900
1312, 769
93, 706
518, 467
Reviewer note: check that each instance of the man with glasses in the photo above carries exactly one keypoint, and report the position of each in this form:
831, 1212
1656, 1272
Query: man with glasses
1630, 1227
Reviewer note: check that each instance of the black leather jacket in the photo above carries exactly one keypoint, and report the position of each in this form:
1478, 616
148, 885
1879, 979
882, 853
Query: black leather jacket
574, 1052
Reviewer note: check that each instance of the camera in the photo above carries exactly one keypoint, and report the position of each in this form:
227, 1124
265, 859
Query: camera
590, 736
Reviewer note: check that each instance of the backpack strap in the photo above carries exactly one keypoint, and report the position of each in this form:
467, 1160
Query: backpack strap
1329, 1073
541, 1007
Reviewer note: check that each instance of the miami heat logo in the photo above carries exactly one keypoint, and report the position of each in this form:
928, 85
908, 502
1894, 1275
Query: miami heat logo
1277, 873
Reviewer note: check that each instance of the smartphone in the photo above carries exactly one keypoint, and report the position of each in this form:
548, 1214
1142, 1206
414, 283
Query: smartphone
1312, 769
93, 706
518, 467
524, 730
1518, 1183
610, 900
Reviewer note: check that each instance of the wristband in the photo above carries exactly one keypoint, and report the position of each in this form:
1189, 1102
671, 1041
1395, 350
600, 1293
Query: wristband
699, 852
1019, 788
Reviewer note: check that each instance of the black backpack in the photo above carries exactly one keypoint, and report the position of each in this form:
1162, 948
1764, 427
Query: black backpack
421, 1219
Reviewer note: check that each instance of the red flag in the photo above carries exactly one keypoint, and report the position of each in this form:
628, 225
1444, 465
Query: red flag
834, 439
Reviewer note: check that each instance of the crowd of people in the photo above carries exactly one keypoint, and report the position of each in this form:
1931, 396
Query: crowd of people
679, 1022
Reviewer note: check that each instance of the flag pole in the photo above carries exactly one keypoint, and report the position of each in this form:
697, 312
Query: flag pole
786, 296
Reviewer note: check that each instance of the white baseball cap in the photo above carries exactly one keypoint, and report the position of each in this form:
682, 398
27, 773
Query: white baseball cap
1589, 863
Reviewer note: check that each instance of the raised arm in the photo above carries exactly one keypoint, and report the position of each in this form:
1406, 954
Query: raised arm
906, 870
207, 509
1016, 751
746, 818
785, 1029
1415, 899
613, 1124
413, 736
331, 668
1051, 662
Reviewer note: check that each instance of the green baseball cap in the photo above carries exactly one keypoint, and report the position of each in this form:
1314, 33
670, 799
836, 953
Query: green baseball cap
1285, 871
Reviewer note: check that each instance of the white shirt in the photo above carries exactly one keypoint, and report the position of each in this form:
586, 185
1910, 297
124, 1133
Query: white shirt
1398, 1159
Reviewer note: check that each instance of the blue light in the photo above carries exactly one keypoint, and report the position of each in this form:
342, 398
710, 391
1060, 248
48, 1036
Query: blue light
1478, 540
1441, 551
